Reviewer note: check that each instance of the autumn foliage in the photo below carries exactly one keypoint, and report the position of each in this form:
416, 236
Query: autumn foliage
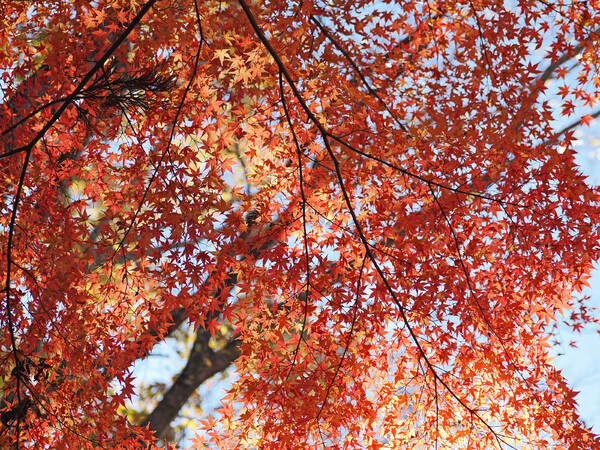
366, 205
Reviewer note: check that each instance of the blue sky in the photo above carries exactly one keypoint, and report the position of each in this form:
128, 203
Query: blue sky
581, 365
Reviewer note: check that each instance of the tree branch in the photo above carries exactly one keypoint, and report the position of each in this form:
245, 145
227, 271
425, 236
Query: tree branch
567, 128
202, 364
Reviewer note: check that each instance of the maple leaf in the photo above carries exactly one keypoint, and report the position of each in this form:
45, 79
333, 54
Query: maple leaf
585, 120
561, 72
221, 54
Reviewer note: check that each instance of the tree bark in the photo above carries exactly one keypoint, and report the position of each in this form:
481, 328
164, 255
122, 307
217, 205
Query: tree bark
202, 364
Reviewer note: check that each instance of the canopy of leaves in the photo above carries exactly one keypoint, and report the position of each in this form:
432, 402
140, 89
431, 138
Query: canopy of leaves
367, 196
